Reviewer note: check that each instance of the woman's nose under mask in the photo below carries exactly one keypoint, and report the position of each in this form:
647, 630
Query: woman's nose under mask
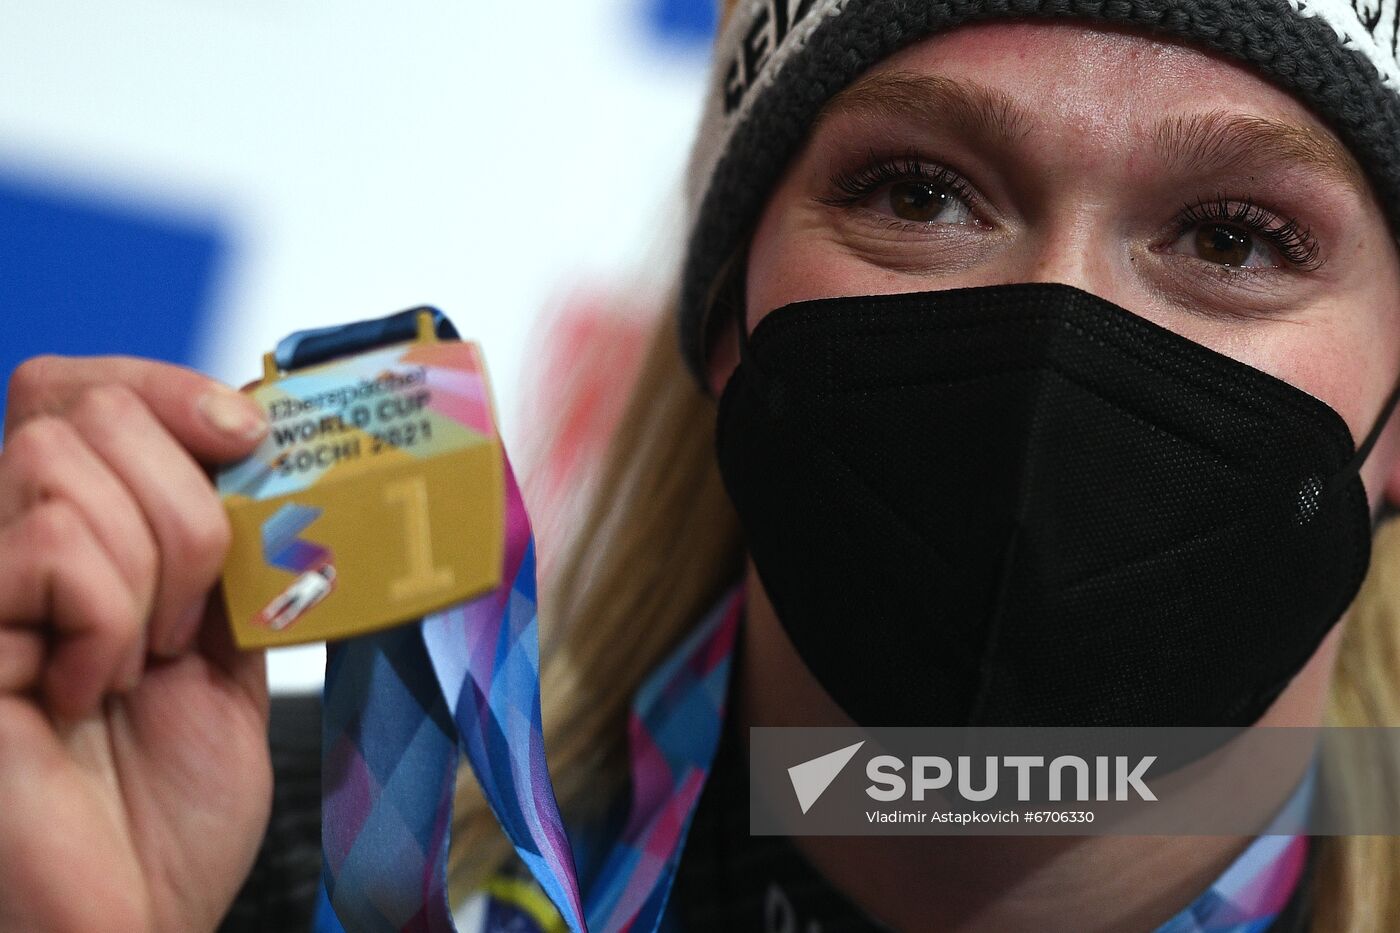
1025, 505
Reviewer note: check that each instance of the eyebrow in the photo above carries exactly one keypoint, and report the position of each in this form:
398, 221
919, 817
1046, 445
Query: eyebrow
968, 107
1219, 139
1212, 141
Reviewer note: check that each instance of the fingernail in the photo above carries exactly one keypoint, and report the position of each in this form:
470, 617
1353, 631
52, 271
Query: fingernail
178, 636
233, 414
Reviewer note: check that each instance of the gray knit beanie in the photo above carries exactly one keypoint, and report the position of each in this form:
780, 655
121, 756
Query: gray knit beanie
779, 61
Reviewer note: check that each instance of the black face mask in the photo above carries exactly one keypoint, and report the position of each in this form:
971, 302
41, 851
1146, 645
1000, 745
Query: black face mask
1024, 505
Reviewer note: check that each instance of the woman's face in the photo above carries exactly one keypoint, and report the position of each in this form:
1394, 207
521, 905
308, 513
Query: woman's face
1168, 181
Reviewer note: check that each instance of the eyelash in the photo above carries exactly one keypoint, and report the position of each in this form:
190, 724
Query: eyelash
858, 185
1294, 242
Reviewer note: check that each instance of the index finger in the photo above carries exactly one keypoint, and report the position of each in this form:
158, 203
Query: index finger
208, 418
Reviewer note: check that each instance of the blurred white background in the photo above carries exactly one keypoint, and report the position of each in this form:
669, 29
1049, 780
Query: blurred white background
193, 179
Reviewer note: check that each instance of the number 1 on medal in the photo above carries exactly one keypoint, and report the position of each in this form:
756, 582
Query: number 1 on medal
422, 578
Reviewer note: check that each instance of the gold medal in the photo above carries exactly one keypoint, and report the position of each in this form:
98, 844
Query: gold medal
377, 497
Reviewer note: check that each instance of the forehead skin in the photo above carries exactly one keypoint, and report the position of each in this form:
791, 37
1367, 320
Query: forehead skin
1084, 177
1089, 84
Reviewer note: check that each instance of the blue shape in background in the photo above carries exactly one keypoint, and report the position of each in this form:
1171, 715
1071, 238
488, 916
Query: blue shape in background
686, 22
79, 275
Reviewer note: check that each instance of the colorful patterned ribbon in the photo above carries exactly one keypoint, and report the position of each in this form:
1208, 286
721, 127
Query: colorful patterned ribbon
1251, 893
399, 705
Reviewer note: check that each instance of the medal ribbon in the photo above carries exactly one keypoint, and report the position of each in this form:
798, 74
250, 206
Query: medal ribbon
403, 706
